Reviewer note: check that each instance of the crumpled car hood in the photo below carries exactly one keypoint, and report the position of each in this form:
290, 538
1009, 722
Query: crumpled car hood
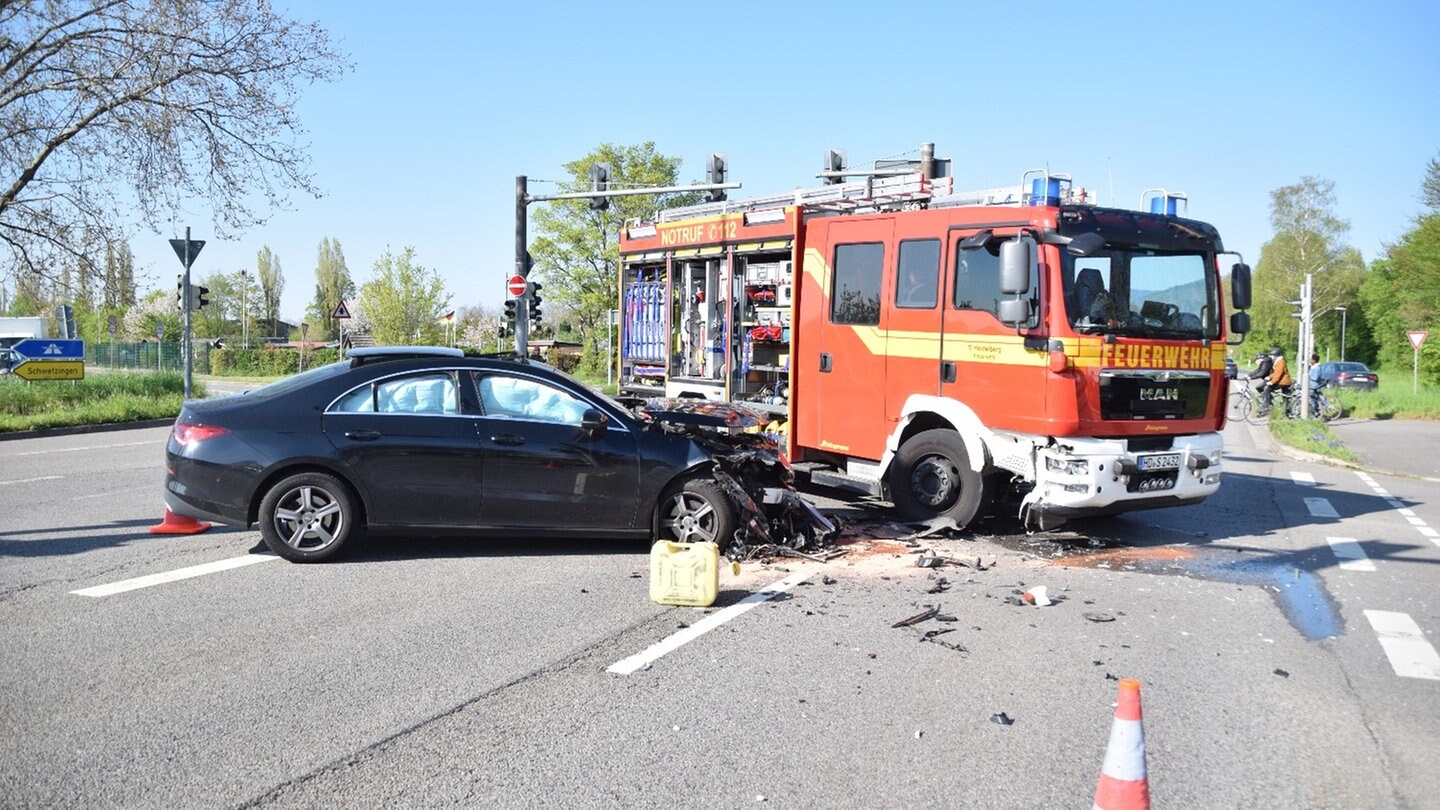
703, 413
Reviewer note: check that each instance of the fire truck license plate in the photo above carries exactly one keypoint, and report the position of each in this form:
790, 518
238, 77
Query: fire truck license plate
1164, 461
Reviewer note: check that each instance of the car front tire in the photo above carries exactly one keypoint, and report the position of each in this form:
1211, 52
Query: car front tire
307, 517
697, 510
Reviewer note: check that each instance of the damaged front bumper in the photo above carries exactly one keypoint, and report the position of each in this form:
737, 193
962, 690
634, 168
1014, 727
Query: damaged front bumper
751, 469
1091, 477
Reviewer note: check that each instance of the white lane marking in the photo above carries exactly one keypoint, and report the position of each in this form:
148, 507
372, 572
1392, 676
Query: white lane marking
1427, 531
1415, 521
1411, 656
32, 480
677, 640
1366, 478
1381, 491
1319, 507
1395, 503
1352, 557
1304, 479
174, 576
86, 447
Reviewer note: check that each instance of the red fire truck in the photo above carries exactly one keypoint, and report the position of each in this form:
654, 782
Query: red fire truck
942, 349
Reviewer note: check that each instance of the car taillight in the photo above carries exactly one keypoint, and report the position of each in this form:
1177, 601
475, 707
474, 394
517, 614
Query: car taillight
191, 435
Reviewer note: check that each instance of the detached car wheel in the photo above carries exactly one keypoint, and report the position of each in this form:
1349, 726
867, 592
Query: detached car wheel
931, 478
696, 511
307, 517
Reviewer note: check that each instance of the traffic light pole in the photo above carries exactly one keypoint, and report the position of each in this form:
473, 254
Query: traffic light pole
185, 332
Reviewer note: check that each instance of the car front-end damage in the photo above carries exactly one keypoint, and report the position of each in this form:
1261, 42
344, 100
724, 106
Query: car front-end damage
751, 469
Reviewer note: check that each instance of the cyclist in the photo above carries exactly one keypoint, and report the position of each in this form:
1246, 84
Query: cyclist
1279, 376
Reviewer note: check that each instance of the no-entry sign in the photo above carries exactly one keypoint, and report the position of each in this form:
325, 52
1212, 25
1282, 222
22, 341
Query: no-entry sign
516, 286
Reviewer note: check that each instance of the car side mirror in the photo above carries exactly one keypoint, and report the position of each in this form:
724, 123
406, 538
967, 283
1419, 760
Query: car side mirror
594, 422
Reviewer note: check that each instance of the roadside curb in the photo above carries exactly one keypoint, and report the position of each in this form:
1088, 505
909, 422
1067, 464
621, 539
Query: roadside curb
108, 427
1263, 437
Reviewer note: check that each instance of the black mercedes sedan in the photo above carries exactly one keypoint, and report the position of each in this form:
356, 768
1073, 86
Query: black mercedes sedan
425, 440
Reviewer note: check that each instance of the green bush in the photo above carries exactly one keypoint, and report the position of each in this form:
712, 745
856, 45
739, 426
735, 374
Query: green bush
97, 399
266, 362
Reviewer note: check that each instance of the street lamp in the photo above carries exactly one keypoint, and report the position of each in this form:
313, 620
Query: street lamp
1342, 333
244, 320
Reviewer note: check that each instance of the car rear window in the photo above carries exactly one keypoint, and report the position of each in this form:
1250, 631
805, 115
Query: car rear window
1352, 368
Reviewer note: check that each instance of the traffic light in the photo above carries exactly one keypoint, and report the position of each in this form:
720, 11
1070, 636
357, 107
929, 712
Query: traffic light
599, 181
535, 301
180, 293
511, 307
202, 297
715, 173
834, 162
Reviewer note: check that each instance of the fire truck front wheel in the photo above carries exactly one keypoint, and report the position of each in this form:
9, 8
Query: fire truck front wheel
931, 477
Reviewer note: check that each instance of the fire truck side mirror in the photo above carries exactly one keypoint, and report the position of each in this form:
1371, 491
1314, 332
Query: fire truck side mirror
1015, 312
1239, 323
1014, 267
1240, 286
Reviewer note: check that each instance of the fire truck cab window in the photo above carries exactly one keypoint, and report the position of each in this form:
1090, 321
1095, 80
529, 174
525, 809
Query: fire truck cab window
1143, 293
977, 279
918, 282
858, 272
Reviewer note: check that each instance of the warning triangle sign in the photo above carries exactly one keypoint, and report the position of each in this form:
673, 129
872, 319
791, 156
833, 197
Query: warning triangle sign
341, 311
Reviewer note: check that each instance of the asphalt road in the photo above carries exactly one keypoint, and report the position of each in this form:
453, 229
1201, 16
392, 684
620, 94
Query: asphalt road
422, 672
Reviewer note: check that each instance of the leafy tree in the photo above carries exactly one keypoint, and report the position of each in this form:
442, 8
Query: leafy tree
118, 279
403, 301
1309, 239
272, 285
332, 285
1402, 293
222, 317
156, 308
576, 249
115, 107
1430, 186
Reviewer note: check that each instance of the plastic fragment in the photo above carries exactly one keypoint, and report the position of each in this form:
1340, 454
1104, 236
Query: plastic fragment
1282, 673
1100, 617
1038, 596
1002, 719
918, 617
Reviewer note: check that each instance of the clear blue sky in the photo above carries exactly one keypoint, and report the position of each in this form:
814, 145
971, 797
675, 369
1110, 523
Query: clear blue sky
1224, 101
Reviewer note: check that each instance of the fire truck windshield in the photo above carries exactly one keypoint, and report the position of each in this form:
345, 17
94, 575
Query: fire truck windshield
1141, 293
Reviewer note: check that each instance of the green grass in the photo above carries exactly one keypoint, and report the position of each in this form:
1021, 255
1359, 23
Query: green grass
1312, 436
1393, 399
97, 399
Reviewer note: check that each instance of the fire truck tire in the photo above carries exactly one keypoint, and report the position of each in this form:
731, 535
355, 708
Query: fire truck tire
931, 477
696, 510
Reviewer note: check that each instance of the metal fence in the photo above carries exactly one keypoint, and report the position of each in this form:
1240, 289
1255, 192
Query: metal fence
147, 355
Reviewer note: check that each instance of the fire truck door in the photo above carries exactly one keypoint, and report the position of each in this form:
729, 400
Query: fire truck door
851, 344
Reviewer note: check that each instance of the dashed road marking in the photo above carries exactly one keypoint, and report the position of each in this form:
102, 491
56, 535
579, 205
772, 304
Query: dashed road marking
174, 576
1411, 656
31, 480
1304, 479
677, 640
86, 447
1352, 557
1321, 508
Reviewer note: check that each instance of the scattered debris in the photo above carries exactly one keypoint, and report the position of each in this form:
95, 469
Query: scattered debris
941, 586
827, 580
933, 637
1282, 673
1038, 596
1110, 677
929, 559
919, 733
918, 617
1100, 617
1002, 719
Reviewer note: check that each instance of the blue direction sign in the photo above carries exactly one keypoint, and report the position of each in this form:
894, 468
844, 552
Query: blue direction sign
43, 349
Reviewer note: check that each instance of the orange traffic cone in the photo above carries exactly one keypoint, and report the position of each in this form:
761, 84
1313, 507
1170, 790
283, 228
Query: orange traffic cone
178, 524
1122, 779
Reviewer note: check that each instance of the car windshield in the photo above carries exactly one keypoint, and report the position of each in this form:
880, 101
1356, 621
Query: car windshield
1141, 293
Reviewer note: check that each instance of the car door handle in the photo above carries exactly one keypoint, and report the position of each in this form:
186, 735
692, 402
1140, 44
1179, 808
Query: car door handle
508, 439
362, 435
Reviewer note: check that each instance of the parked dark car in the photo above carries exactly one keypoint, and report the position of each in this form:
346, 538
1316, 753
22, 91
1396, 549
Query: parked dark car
1348, 375
1231, 370
426, 440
